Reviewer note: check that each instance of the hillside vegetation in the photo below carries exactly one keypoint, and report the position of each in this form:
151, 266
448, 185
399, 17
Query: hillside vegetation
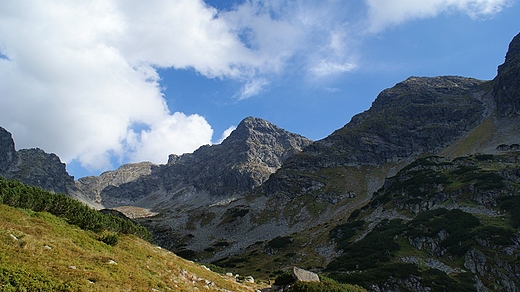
43, 252
16, 194
438, 224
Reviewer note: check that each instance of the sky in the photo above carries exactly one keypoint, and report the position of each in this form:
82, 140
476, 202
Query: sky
106, 82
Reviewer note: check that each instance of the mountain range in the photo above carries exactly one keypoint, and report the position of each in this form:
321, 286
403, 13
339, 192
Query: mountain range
418, 193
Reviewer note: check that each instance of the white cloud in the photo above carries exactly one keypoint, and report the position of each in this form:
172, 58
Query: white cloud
226, 134
332, 89
172, 135
72, 84
325, 68
79, 78
383, 13
252, 87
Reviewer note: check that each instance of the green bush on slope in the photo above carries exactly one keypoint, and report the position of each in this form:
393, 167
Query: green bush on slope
16, 194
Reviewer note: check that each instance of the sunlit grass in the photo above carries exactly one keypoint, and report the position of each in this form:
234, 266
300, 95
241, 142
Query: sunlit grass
41, 251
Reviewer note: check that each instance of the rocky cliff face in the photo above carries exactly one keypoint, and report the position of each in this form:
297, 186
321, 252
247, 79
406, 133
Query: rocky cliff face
92, 186
7, 150
417, 116
437, 221
506, 89
33, 167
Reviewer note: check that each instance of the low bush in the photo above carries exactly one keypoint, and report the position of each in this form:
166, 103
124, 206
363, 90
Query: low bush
280, 242
325, 285
109, 238
18, 195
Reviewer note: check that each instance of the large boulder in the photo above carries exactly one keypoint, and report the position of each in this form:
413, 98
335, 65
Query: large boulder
301, 275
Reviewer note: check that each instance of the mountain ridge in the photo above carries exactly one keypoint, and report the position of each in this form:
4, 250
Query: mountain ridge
264, 188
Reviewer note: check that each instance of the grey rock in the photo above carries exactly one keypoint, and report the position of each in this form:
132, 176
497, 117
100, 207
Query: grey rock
301, 275
92, 186
430, 263
34, 167
475, 261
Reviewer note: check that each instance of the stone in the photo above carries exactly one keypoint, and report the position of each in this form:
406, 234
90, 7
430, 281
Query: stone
249, 279
475, 261
304, 275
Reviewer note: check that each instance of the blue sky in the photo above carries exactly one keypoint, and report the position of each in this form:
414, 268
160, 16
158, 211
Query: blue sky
110, 82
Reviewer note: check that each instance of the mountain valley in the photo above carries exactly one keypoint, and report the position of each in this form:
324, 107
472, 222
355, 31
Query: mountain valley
421, 192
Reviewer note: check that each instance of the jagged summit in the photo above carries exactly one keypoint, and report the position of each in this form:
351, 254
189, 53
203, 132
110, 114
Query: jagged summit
245, 159
506, 89
33, 166
261, 131
512, 55
263, 142
248, 127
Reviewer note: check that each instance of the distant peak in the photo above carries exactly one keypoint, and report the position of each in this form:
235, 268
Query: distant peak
253, 128
252, 124
252, 121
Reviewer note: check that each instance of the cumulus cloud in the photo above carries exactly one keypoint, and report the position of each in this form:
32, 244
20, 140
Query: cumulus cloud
80, 78
383, 13
77, 77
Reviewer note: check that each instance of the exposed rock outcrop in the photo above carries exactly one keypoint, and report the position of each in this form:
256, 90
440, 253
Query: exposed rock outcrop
416, 116
506, 89
34, 167
92, 186
7, 150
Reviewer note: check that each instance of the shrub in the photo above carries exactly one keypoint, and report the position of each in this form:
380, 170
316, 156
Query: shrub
326, 285
285, 278
18, 195
109, 238
280, 242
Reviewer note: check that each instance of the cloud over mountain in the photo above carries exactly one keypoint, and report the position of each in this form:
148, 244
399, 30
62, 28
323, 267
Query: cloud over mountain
80, 79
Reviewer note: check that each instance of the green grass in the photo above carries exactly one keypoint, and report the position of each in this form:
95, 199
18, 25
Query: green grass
41, 252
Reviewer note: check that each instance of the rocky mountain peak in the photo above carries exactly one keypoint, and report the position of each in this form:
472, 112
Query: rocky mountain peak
258, 140
244, 160
258, 130
34, 166
7, 150
506, 89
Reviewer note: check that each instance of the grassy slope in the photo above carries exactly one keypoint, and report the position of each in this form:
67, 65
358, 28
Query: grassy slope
39, 251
